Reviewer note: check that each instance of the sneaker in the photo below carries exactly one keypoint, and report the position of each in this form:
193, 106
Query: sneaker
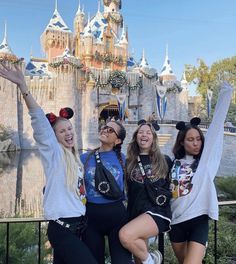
157, 257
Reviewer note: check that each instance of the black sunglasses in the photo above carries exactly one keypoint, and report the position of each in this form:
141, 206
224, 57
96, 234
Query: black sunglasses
109, 130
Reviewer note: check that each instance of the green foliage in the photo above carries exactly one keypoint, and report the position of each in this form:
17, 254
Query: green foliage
23, 243
4, 133
227, 186
206, 77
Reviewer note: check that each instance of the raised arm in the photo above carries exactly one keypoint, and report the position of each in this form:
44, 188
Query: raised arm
213, 147
15, 75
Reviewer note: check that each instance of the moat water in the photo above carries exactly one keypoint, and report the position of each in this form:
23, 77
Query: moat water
21, 184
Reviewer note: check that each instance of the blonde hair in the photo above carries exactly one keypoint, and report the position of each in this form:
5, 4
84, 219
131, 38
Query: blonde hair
158, 161
73, 164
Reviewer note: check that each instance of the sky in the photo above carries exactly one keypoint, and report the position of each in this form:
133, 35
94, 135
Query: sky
193, 29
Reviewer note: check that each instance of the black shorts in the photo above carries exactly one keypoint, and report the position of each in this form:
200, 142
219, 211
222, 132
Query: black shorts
162, 224
195, 229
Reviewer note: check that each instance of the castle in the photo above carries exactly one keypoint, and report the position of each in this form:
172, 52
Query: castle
90, 70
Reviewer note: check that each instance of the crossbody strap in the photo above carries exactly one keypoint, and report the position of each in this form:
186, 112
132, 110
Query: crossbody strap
141, 166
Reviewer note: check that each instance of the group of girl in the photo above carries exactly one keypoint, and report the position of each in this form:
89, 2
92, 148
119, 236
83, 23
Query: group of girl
163, 195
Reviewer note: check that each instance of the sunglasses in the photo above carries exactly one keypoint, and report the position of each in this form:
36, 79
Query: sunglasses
109, 130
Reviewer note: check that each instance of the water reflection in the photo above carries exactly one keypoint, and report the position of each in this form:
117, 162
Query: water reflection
21, 184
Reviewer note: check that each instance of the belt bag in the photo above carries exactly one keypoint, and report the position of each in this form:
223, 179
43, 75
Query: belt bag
158, 192
105, 182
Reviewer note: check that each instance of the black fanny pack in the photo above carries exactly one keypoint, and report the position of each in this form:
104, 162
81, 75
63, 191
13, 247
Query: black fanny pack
105, 182
158, 192
76, 227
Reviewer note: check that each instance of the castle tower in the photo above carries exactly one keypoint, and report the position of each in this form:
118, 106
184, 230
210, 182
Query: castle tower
88, 44
79, 22
56, 37
113, 15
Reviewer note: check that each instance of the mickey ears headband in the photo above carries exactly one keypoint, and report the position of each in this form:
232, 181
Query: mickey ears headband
154, 124
64, 112
193, 123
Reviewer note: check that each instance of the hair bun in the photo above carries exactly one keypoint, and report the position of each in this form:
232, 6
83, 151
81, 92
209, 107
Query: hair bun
66, 112
180, 125
195, 121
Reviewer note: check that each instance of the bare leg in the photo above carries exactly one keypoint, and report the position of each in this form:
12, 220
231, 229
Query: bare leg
195, 253
189, 252
180, 250
134, 235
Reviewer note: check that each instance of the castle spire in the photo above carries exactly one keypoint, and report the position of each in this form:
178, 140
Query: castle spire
99, 6
4, 47
79, 9
166, 68
55, 5
144, 62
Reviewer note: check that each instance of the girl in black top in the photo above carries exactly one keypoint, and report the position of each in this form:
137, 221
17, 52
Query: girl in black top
146, 168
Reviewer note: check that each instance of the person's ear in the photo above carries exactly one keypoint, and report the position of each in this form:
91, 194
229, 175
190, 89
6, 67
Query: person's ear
118, 141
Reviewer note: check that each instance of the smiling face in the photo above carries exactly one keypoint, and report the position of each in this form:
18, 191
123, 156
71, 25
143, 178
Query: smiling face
144, 138
64, 133
192, 142
109, 134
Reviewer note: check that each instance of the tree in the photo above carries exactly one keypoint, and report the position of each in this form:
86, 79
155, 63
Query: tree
206, 77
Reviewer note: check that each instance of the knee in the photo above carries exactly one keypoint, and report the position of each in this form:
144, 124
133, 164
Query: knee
126, 238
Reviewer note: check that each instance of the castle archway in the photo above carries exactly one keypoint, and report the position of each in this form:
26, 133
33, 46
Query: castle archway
108, 111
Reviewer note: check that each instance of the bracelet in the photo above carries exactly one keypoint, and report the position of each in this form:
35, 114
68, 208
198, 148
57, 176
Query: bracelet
25, 94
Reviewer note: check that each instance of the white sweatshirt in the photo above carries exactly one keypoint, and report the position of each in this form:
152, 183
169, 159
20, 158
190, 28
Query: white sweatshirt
202, 199
58, 200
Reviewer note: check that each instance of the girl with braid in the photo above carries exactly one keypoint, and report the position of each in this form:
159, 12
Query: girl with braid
64, 195
106, 215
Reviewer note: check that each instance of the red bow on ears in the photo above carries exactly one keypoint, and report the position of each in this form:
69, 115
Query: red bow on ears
64, 112
51, 117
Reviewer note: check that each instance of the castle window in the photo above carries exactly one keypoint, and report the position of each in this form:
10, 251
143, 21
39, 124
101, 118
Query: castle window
51, 96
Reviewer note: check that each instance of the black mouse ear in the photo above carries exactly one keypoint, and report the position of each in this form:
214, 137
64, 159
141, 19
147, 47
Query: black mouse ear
195, 121
66, 112
142, 121
180, 125
155, 126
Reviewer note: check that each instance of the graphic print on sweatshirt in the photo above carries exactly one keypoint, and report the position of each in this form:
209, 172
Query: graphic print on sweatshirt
181, 177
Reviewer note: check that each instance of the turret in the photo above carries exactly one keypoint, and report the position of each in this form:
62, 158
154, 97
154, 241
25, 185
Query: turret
79, 20
112, 14
56, 37
88, 43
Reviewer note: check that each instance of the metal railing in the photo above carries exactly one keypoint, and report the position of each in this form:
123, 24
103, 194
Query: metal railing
9, 221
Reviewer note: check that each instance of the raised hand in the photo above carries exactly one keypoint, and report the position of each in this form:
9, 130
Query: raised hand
13, 74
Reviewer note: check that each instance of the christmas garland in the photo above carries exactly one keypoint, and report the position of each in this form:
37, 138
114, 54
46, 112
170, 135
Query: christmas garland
11, 58
65, 61
108, 57
116, 79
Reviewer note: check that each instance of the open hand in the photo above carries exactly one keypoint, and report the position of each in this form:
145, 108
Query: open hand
13, 74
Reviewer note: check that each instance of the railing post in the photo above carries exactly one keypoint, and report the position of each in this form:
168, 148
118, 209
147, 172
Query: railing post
161, 245
215, 240
39, 243
7, 244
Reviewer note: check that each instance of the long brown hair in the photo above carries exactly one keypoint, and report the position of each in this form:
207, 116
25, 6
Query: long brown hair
159, 164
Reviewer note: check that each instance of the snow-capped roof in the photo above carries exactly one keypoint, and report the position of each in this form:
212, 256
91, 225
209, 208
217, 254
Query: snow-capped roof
57, 23
37, 68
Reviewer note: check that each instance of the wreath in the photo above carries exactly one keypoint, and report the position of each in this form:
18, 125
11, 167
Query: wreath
117, 79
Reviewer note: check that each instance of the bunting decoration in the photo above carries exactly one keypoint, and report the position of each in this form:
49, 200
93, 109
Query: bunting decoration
209, 98
161, 100
121, 105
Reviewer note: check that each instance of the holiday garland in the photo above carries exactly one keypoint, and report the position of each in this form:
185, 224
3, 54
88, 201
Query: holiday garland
10, 58
108, 57
66, 61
